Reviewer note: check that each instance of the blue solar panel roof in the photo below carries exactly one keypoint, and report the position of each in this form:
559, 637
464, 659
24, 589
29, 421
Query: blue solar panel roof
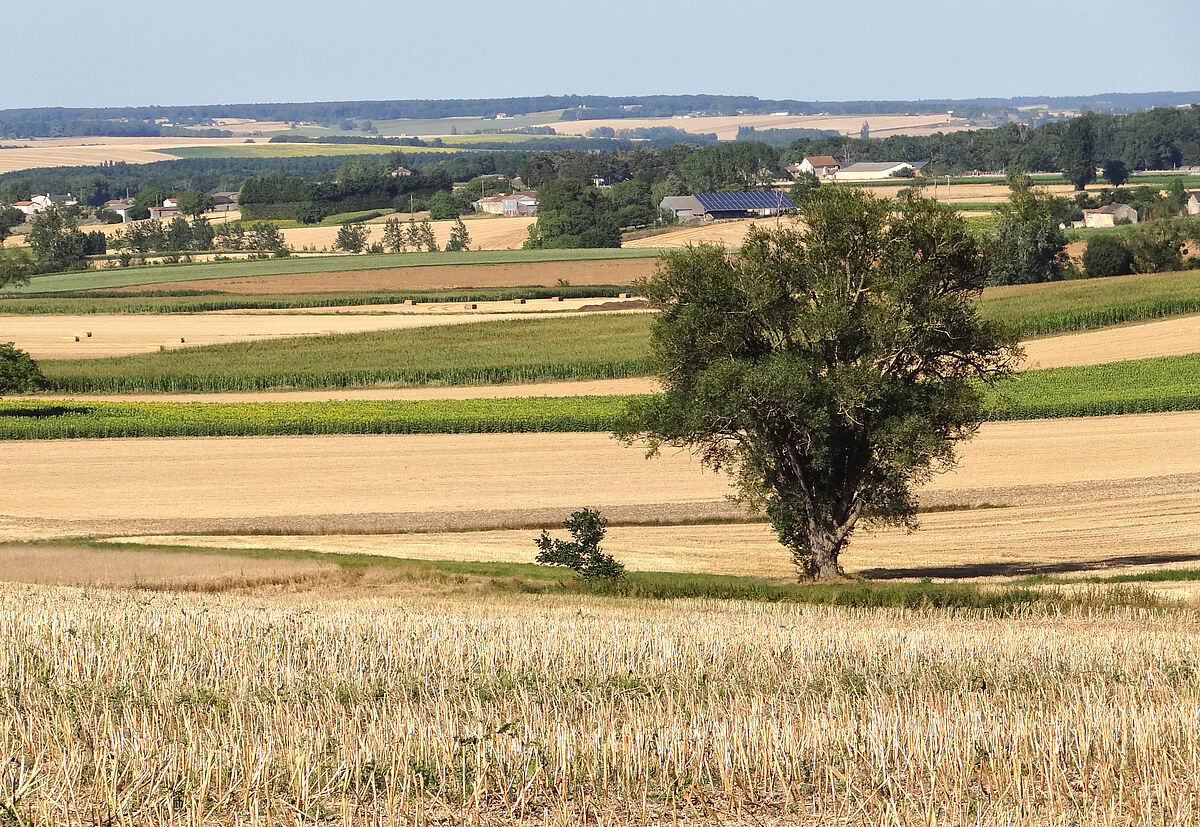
729, 201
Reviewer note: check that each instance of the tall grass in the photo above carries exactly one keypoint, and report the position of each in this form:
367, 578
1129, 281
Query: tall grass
142, 708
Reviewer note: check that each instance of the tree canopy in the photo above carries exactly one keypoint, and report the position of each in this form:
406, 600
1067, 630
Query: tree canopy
830, 366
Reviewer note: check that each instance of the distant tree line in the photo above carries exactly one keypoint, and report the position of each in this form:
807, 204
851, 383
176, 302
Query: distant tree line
139, 120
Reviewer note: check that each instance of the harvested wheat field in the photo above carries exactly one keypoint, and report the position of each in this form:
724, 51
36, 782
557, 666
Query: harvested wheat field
617, 271
161, 571
486, 234
88, 151
726, 126
97, 335
397, 483
506, 709
730, 233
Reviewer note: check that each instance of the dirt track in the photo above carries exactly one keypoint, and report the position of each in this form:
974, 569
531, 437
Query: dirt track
258, 482
433, 277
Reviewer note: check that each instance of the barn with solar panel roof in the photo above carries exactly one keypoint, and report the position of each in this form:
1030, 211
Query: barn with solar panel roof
743, 204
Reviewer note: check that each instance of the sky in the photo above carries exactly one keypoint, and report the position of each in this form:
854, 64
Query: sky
142, 52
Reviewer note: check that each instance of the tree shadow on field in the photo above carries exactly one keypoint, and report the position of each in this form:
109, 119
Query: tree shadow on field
43, 412
968, 571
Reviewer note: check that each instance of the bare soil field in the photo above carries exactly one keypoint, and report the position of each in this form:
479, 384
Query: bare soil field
730, 233
432, 277
1168, 337
726, 127
94, 336
87, 151
73, 566
360, 483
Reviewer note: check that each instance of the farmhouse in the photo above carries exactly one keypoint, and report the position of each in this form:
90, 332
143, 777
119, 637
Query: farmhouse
515, 204
41, 203
743, 204
164, 211
224, 201
683, 207
1109, 215
1193, 201
822, 166
874, 170
122, 207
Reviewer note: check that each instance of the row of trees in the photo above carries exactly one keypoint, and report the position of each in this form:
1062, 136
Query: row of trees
401, 237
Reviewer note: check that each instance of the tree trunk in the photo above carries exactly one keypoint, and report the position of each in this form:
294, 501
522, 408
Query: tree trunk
823, 560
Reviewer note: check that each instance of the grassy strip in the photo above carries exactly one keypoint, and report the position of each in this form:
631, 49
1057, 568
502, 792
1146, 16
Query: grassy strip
1144, 386
202, 301
295, 265
532, 578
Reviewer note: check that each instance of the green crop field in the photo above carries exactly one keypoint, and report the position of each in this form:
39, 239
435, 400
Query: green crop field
1057, 307
185, 301
595, 347
133, 276
1143, 386
46, 420
592, 347
289, 150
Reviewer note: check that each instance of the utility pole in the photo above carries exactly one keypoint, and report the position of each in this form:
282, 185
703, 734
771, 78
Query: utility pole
947, 188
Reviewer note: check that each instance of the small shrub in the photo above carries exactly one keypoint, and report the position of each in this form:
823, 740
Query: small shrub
582, 555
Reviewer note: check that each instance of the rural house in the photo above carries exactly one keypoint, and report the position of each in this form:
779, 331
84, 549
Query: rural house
743, 204
122, 207
1193, 201
874, 170
682, 207
164, 211
1109, 215
516, 204
41, 203
224, 201
822, 166
401, 172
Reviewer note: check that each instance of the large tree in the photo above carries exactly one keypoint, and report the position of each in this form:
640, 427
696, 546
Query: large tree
1029, 245
1077, 151
830, 366
56, 241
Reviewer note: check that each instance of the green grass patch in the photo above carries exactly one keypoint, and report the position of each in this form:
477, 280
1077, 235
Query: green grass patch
166, 273
1007, 600
287, 150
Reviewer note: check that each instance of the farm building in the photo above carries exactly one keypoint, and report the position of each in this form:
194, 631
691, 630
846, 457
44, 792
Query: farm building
41, 203
224, 201
1109, 215
514, 204
822, 166
874, 170
743, 204
683, 207
1193, 201
164, 211
122, 207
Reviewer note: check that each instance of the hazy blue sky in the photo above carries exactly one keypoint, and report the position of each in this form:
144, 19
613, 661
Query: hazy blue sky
133, 52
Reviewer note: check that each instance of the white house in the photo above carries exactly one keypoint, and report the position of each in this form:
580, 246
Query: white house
873, 170
1109, 215
1193, 201
822, 166
516, 204
41, 203
122, 207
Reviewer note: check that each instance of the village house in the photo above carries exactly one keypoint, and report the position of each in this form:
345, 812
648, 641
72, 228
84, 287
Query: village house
41, 203
1193, 201
513, 205
822, 166
165, 211
401, 172
122, 207
1109, 215
875, 170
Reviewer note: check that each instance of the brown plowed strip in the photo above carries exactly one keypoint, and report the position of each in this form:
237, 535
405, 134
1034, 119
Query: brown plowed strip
432, 277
